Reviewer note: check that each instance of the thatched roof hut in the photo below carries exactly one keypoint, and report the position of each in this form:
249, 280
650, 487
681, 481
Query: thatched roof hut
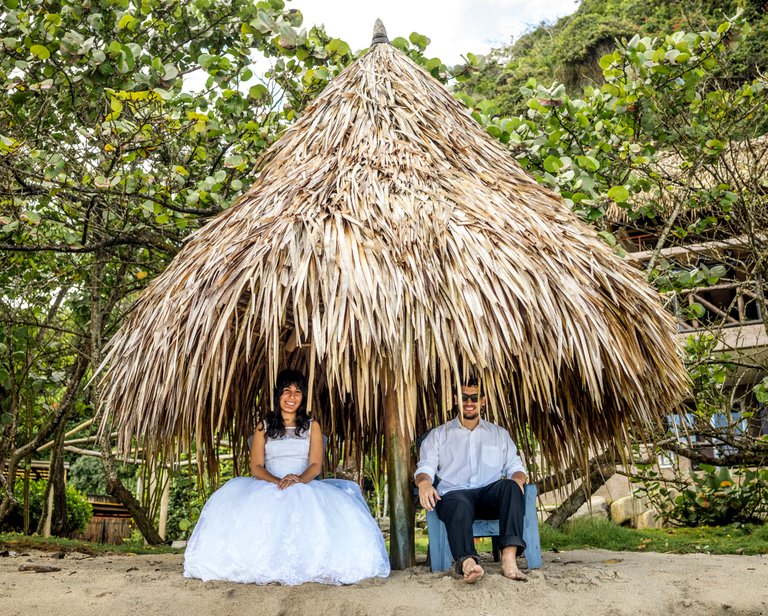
388, 240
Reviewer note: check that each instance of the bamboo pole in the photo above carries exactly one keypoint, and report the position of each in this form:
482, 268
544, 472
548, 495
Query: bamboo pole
401, 520
164, 501
74, 430
48, 513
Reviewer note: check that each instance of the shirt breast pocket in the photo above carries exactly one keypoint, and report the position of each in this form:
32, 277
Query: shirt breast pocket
491, 456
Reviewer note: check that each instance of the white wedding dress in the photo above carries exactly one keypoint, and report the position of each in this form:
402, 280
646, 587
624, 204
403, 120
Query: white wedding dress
250, 531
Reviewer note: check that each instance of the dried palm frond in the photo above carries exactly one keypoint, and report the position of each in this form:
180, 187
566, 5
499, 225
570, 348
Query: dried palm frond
387, 244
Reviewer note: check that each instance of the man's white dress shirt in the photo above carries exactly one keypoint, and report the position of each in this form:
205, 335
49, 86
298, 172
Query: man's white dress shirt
465, 459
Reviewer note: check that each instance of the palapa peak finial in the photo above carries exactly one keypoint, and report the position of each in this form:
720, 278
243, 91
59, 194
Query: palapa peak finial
379, 33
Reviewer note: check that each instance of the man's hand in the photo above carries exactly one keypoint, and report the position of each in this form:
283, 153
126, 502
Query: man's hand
428, 496
519, 479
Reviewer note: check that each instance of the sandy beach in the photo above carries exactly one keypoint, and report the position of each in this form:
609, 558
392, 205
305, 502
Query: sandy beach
588, 582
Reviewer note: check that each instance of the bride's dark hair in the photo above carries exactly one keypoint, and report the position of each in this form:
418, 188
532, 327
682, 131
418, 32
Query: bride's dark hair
274, 419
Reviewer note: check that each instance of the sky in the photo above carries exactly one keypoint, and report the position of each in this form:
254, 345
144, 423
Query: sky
454, 26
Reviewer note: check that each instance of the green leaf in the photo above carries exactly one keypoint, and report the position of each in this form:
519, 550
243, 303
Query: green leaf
31, 216
608, 238
258, 92
53, 19
400, 43
419, 40
40, 51
619, 194
125, 21
163, 94
488, 108
339, 47
698, 310
233, 161
724, 27
761, 392
552, 164
606, 61
170, 72
588, 163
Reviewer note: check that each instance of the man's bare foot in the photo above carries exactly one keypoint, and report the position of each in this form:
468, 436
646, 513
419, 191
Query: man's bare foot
509, 565
472, 571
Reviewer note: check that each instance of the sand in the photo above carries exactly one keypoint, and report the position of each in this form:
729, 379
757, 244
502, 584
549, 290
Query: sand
588, 582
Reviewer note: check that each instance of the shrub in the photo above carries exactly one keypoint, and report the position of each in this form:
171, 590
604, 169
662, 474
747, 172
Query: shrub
715, 497
79, 510
87, 475
185, 505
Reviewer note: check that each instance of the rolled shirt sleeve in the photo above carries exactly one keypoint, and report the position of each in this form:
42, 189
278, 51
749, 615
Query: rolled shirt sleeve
513, 463
428, 456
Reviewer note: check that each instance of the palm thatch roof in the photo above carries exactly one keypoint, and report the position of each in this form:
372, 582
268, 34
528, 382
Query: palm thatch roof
388, 241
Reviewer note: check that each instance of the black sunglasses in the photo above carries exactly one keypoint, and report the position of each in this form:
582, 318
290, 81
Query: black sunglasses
473, 397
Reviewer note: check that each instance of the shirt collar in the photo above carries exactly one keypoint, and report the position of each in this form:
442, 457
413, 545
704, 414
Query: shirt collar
455, 424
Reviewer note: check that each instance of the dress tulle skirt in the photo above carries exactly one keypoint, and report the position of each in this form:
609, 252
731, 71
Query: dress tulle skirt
251, 532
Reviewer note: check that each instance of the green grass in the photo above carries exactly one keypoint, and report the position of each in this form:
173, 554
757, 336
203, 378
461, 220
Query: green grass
585, 534
602, 534
19, 542
579, 535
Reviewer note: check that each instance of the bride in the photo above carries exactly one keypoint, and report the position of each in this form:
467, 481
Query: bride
280, 525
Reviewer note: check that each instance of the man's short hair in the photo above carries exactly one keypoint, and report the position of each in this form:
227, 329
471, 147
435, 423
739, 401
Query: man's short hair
470, 381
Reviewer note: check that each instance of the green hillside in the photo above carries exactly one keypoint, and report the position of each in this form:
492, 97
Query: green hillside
569, 50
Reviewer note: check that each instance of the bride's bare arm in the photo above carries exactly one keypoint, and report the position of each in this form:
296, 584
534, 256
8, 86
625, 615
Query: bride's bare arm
315, 454
258, 445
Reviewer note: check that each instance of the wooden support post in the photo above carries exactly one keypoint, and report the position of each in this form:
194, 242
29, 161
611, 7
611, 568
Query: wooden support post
399, 482
165, 477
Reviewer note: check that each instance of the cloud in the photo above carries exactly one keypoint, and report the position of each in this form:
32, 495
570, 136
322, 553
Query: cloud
454, 26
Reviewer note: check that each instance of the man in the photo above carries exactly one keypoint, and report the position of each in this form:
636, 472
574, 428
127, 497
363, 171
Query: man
481, 477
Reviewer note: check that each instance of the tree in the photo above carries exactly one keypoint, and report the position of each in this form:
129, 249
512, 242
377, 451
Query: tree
108, 159
670, 149
127, 125
568, 51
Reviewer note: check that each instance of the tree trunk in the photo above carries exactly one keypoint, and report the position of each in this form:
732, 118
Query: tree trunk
9, 406
401, 516
116, 489
50, 498
67, 403
26, 496
599, 474
56, 481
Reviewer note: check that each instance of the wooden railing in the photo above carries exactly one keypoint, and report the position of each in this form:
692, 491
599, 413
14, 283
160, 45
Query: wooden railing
736, 305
